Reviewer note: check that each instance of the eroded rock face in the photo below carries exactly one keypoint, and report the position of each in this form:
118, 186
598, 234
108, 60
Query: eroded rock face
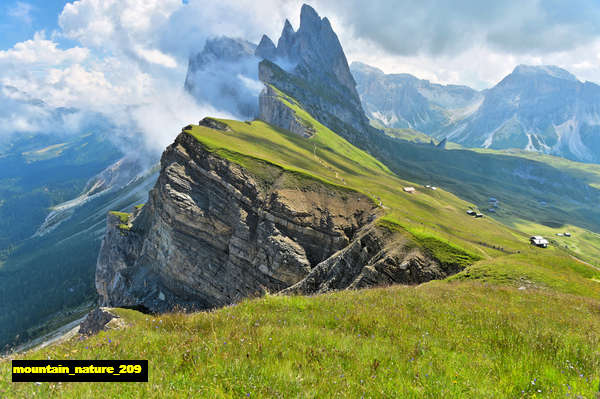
375, 257
310, 66
274, 111
213, 233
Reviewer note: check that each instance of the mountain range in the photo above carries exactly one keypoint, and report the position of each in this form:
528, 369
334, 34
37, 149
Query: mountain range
247, 220
544, 109
242, 207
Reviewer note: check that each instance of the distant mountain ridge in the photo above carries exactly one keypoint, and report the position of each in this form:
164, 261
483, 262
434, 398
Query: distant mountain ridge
404, 101
536, 108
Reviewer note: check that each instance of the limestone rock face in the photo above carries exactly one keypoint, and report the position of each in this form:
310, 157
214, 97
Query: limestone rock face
310, 66
274, 111
213, 233
375, 257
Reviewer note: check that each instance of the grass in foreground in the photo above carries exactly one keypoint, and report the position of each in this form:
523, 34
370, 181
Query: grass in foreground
438, 340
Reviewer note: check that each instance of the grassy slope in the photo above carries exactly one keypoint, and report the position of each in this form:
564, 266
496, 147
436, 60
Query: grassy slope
584, 244
437, 215
477, 175
443, 339
436, 340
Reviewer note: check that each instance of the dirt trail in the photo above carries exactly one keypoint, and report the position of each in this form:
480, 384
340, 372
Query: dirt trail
585, 263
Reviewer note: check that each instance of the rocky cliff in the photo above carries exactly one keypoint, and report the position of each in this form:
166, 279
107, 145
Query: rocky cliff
275, 111
213, 232
310, 66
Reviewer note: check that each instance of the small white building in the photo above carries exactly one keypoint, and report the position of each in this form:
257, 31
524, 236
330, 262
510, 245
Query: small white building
539, 241
410, 190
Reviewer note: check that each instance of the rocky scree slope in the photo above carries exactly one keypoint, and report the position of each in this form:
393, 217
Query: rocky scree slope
214, 232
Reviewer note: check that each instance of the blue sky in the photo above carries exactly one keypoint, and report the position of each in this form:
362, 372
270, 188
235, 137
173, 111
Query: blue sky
19, 20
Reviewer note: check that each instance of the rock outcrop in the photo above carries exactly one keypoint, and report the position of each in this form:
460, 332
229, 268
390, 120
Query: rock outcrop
273, 110
214, 232
97, 320
376, 256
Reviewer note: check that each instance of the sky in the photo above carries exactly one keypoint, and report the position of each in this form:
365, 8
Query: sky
128, 58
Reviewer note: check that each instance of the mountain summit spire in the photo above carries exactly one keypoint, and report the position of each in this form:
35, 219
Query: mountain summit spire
313, 49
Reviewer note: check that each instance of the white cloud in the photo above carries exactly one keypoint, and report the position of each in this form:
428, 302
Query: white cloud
40, 50
116, 25
155, 56
21, 11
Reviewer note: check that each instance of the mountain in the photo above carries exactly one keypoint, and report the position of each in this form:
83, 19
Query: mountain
220, 227
404, 101
244, 212
310, 66
537, 108
287, 203
225, 75
224, 223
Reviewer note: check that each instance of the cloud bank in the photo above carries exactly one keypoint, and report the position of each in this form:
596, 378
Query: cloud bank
130, 57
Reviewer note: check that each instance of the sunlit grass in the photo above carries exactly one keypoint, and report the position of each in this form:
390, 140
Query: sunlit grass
437, 340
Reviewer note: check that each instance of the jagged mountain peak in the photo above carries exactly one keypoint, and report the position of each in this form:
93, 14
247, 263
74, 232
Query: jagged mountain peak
309, 18
286, 39
266, 48
313, 50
